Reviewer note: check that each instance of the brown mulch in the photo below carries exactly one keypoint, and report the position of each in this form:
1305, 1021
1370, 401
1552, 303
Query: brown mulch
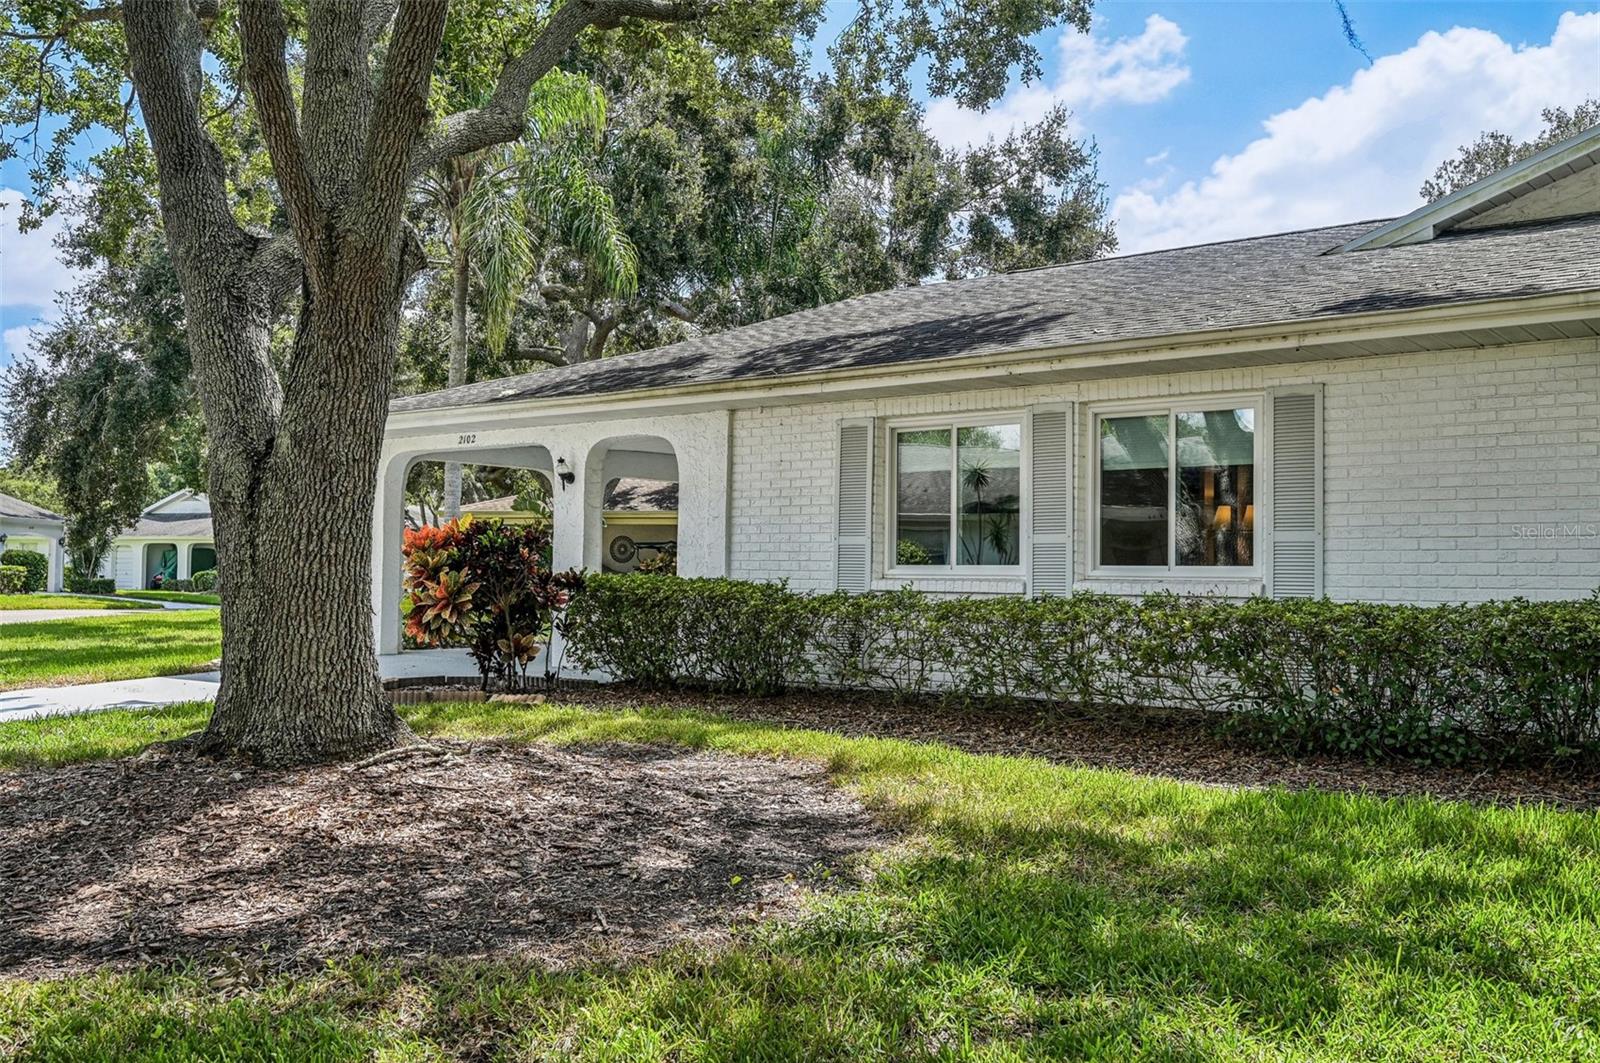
1166, 744
528, 852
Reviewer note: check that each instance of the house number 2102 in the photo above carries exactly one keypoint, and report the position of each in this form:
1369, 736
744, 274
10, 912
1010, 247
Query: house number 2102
467, 439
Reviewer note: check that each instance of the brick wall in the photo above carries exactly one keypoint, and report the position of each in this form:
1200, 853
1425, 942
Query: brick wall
1449, 476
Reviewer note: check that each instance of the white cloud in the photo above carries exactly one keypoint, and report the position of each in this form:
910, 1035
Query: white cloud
14, 342
1092, 72
1362, 149
31, 270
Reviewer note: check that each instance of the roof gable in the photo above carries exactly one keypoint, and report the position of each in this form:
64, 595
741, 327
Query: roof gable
17, 509
1562, 181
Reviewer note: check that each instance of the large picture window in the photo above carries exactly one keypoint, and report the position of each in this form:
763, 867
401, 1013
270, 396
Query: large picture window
957, 496
1176, 487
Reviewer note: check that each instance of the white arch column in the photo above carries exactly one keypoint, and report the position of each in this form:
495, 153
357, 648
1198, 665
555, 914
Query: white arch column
700, 443
388, 533
705, 481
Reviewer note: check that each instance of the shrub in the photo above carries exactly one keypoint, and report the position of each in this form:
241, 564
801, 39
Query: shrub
1443, 684
13, 579
87, 584
487, 583
35, 564
205, 580
720, 633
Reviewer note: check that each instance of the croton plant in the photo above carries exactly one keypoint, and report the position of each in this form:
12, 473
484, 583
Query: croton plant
487, 584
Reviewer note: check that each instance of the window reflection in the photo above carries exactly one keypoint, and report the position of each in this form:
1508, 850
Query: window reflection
989, 500
1215, 518
1134, 467
922, 497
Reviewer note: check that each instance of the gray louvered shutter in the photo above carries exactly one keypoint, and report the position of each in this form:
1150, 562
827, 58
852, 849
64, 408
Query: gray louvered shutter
853, 563
1050, 498
1294, 547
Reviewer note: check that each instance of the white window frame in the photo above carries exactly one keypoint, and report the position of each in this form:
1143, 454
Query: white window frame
1025, 503
1170, 408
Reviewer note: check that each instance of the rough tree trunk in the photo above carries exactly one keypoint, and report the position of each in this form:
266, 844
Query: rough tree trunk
294, 453
299, 678
458, 363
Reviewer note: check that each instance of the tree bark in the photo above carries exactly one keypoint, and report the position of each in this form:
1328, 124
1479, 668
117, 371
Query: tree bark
294, 455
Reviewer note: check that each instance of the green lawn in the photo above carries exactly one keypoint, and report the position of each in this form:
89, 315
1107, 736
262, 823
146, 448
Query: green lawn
192, 597
1036, 912
89, 649
65, 601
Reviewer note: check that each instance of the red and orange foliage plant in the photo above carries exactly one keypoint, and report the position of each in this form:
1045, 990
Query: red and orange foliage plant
488, 584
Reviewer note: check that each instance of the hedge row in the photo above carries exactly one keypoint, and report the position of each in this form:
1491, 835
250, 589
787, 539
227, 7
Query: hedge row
1443, 683
88, 584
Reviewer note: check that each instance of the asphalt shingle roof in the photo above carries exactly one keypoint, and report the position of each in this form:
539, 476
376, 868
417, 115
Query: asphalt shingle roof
175, 525
17, 509
1262, 280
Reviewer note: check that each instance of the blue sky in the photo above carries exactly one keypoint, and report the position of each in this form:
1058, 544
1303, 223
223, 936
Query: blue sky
1214, 119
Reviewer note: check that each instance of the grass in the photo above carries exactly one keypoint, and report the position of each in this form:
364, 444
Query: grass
92, 649
1035, 912
64, 601
192, 597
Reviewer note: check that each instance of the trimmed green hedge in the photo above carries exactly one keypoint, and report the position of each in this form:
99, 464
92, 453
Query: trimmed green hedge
36, 565
89, 584
13, 579
1441, 683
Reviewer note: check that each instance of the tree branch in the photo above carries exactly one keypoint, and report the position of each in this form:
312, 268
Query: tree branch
548, 355
676, 309
399, 113
502, 119
375, 18
277, 270
337, 103
194, 199
264, 37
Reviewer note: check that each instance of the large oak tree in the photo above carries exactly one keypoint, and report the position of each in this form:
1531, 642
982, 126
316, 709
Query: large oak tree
342, 94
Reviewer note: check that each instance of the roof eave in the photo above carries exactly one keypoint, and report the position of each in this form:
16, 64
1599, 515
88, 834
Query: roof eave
1291, 333
1431, 219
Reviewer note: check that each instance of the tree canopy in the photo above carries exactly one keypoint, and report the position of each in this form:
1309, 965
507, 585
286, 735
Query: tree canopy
284, 142
1494, 150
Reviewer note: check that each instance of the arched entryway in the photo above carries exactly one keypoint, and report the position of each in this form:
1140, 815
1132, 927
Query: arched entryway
160, 560
638, 505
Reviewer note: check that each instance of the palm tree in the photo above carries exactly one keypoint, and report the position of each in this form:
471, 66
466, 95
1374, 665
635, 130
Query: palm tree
498, 203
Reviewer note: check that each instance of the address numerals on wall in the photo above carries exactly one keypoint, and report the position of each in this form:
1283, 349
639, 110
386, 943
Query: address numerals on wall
466, 439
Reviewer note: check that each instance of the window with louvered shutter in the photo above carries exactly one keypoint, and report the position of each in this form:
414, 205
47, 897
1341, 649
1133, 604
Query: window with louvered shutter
1050, 536
853, 565
1294, 567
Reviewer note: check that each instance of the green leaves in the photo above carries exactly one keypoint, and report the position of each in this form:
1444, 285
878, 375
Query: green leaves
1442, 684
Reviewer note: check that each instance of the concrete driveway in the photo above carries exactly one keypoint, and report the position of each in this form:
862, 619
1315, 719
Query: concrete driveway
34, 702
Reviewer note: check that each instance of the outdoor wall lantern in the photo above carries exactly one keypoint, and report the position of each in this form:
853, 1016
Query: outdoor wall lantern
564, 473
3, 538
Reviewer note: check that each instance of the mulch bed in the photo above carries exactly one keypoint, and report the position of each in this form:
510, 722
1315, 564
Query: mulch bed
1174, 745
535, 853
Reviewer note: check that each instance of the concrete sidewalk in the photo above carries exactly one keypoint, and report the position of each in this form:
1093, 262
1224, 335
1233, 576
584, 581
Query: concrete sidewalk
32, 616
35, 702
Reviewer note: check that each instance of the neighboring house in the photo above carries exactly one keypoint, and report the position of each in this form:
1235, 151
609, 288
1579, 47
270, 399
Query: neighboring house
639, 519
1402, 411
25, 526
172, 539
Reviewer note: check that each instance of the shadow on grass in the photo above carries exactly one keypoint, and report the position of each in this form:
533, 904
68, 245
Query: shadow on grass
1046, 912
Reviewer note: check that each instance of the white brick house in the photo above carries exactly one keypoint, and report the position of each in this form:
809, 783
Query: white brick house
1394, 411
